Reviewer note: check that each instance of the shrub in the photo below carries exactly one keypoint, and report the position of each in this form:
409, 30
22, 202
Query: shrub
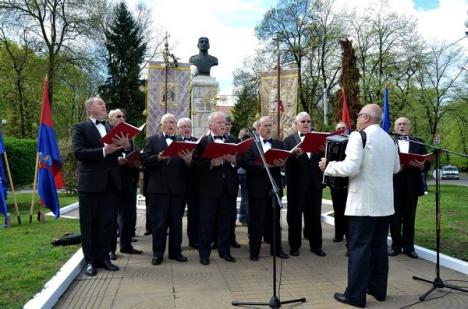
22, 159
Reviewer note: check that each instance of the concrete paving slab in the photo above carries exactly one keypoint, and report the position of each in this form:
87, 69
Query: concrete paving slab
191, 285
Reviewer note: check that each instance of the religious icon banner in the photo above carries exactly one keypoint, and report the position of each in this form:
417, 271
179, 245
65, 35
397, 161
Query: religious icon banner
178, 93
288, 98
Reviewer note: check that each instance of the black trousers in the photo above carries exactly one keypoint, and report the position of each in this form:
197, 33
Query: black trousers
402, 222
97, 223
127, 215
308, 203
368, 258
166, 213
339, 197
215, 213
258, 218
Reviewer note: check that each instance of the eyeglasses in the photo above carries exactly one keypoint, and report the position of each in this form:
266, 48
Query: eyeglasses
305, 121
340, 128
120, 116
362, 114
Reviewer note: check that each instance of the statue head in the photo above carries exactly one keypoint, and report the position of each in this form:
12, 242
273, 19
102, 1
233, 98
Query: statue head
203, 44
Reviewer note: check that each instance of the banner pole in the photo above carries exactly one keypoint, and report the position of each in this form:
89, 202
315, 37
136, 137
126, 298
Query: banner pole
278, 92
34, 188
10, 179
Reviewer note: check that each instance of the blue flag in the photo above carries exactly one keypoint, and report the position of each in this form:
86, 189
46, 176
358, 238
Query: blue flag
49, 176
3, 182
386, 113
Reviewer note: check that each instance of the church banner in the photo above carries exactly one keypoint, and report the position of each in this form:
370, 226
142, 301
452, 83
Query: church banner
288, 98
178, 93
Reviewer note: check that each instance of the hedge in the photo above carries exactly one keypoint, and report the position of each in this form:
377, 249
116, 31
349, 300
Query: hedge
22, 158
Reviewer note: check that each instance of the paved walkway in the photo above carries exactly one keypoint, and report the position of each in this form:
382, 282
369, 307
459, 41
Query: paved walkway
191, 285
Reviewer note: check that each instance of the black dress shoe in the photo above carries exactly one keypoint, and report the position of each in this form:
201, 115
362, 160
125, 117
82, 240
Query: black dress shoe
157, 260
337, 239
228, 258
90, 270
318, 252
375, 296
179, 258
107, 265
281, 255
214, 245
134, 239
254, 258
112, 256
342, 299
294, 252
204, 261
394, 252
411, 254
131, 250
235, 244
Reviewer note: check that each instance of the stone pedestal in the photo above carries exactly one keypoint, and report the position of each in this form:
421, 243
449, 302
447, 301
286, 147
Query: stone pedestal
204, 93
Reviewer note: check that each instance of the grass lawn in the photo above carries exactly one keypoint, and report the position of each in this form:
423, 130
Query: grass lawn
454, 220
27, 257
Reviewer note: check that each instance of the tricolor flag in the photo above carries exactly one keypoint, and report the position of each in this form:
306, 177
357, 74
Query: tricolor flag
386, 113
3, 182
345, 114
49, 176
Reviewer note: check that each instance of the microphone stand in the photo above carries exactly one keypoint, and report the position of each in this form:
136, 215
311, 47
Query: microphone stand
274, 302
437, 283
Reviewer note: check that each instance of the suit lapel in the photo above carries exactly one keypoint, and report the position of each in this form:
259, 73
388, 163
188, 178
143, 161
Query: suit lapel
95, 130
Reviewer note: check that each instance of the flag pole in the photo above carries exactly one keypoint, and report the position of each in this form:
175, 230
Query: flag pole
10, 179
34, 188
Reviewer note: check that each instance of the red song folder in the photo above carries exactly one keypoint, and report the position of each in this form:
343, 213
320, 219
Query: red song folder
406, 158
123, 127
315, 141
178, 146
216, 150
275, 154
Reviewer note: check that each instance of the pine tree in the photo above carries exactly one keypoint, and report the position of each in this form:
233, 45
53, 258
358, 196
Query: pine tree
245, 110
126, 48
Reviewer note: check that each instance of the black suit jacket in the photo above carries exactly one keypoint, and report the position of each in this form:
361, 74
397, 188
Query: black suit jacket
167, 176
302, 173
409, 180
212, 180
94, 170
258, 183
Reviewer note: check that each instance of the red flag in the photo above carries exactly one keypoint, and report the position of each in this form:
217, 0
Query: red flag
344, 113
49, 176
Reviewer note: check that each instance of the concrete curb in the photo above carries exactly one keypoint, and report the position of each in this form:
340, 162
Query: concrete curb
59, 283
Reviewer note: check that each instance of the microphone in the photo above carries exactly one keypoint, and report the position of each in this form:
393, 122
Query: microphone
253, 130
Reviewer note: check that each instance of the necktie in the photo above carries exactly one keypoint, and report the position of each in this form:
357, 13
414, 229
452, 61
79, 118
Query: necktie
267, 141
302, 134
100, 122
171, 137
187, 138
218, 137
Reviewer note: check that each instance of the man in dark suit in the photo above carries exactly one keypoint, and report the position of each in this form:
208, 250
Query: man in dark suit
408, 186
260, 190
304, 181
218, 190
166, 190
98, 182
126, 216
184, 125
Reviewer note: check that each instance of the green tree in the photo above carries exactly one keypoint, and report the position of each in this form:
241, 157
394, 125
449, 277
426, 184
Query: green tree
126, 48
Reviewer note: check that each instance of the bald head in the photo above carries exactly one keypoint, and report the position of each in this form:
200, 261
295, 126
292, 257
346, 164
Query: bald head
369, 114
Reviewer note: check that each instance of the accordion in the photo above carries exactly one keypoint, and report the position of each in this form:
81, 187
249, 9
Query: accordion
335, 151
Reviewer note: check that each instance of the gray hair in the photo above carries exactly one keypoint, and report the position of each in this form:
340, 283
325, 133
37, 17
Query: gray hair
114, 112
301, 115
182, 121
214, 115
90, 101
166, 116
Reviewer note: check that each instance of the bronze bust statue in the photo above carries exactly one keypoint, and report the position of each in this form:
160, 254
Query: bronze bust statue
203, 61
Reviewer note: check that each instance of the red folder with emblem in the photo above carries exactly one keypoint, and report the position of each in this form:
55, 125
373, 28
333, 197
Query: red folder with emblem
178, 146
406, 158
123, 127
275, 154
314, 142
216, 150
